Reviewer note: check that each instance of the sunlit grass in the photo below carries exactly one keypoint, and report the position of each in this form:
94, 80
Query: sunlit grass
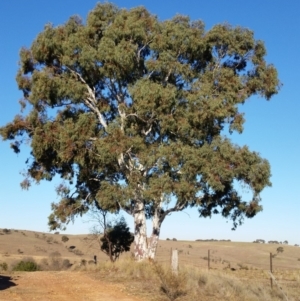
156, 282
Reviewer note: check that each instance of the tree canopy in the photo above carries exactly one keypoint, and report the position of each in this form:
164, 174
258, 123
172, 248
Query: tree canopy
132, 113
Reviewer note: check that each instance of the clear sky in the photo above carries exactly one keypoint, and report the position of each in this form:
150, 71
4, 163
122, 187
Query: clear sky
271, 128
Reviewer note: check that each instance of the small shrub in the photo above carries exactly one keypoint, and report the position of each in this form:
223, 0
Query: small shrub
55, 262
40, 249
3, 266
64, 238
44, 264
66, 264
49, 240
77, 252
168, 239
243, 266
202, 280
55, 254
174, 239
28, 265
56, 232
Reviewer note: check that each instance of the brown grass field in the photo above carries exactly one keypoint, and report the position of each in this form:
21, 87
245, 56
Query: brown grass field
238, 271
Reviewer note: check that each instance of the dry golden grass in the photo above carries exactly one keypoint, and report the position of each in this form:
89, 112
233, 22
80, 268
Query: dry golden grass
238, 270
153, 281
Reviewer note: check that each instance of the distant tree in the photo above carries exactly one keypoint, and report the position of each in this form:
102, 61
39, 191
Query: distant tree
279, 250
273, 242
260, 241
132, 113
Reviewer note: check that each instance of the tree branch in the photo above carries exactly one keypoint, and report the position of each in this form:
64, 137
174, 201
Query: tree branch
91, 101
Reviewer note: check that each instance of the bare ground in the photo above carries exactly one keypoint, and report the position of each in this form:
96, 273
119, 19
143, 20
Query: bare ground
59, 286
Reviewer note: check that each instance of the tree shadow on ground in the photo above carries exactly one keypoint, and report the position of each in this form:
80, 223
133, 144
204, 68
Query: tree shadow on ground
6, 282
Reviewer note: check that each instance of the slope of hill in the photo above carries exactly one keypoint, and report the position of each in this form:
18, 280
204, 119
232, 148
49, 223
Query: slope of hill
17, 244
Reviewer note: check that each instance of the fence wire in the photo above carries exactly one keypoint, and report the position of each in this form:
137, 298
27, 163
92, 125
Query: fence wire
227, 259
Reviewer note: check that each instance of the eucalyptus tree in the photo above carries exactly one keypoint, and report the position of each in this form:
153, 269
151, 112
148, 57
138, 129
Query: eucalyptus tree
134, 113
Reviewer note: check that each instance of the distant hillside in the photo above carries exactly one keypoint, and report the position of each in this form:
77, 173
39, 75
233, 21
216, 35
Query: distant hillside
17, 244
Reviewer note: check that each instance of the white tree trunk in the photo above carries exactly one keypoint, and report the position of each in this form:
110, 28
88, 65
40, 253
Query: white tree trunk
140, 232
153, 242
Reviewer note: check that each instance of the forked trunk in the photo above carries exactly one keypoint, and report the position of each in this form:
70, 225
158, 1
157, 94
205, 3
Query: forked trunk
140, 232
142, 248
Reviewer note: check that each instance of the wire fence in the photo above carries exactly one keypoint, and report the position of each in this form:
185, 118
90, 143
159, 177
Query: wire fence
229, 258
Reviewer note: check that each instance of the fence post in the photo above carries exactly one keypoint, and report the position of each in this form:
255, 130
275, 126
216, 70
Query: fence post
175, 261
208, 260
271, 269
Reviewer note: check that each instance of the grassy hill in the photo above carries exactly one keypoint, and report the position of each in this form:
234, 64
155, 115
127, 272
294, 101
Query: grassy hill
17, 244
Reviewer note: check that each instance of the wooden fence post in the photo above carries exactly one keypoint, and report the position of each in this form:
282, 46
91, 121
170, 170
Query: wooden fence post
175, 261
208, 260
271, 269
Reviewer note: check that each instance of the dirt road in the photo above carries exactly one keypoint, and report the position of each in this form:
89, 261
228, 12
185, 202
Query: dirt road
59, 286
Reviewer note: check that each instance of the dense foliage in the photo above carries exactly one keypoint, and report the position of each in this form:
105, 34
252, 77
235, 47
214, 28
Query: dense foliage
26, 266
132, 113
116, 239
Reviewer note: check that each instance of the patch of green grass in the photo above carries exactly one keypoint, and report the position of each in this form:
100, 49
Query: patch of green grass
28, 265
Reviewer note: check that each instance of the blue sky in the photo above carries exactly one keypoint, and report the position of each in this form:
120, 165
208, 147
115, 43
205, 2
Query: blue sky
271, 127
